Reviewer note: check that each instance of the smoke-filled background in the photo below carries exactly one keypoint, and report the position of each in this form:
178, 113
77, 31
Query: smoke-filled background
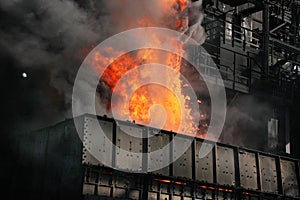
246, 121
48, 40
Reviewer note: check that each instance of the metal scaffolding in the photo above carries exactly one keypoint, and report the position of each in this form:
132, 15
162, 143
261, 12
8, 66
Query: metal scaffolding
255, 43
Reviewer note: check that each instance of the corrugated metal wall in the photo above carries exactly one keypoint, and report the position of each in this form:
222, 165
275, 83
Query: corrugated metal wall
50, 164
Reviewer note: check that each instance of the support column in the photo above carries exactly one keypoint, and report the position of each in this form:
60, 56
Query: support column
266, 40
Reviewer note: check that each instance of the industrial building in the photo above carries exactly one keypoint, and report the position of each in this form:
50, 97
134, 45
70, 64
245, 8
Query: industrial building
60, 166
256, 47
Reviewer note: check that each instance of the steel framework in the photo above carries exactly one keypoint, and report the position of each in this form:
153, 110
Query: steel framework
56, 165
255, 43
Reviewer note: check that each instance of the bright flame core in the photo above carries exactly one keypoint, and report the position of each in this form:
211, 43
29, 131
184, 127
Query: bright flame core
151, 104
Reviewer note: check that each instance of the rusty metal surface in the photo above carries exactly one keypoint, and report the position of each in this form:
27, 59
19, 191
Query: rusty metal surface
289, 178
268, 174
56, 155
248, 170
203, 166
225, 166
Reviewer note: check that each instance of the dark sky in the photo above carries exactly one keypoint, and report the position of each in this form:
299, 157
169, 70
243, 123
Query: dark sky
48, 41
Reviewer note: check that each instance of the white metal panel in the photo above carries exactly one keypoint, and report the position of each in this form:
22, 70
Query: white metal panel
248, 170
182, 166
289, 178
268, 174
225, 166
157, 156
94, 143
129, 148
203, 166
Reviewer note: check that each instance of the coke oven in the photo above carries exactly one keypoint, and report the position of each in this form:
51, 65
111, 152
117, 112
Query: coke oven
62, 168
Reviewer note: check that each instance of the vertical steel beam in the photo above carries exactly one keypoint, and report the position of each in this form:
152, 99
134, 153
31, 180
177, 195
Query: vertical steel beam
249, 68
297, 164
237, 173
237, 167
171, 157
145, 149
214, 150
279, 178
266, 40
258, 171
194, 160
145, 181
287, 131
114, 141
234, 71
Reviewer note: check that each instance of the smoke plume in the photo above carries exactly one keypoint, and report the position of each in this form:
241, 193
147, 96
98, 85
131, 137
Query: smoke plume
48, 40
246, 122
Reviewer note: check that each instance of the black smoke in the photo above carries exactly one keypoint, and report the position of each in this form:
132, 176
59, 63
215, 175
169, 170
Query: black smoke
48, 41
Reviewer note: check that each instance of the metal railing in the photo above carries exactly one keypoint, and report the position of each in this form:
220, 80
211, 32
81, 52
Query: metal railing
244, 47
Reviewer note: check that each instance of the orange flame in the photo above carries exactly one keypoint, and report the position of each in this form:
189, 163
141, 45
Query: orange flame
142, 104
213, 188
